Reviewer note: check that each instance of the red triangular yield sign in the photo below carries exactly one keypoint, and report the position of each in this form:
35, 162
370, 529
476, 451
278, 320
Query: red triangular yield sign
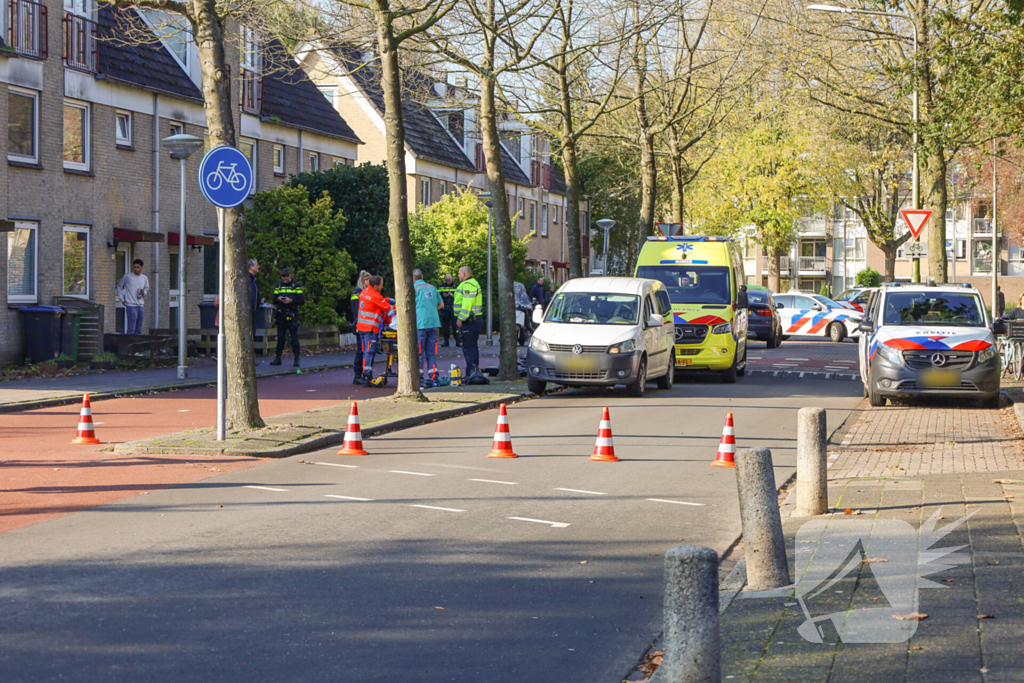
916, 219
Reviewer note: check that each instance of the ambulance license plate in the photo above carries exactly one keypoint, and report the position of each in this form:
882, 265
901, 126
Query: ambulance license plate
683, 361
939, 379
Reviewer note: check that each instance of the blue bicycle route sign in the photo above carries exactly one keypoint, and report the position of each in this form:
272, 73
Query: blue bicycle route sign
225, 177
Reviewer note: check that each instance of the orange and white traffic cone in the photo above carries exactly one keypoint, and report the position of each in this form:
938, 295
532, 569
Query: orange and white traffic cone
727, 446
86, 432
502, 446
604, 449
353, 443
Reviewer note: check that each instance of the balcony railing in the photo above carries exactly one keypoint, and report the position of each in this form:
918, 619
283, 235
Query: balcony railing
80, 43
982, 226
27, 33
252, 92
812, 264
982, 266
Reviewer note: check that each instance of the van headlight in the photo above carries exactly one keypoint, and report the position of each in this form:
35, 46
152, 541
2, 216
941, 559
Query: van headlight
538, 344
890, 354
722, 328
628, 346
987, 354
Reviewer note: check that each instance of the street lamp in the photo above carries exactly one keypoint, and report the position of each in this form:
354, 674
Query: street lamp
485, 197
916, 191
606, 225
182, 147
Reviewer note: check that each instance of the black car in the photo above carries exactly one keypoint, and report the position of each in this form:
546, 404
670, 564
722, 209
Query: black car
763, 322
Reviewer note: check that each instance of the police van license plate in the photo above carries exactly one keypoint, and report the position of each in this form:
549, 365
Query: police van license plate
939, 379
576, 363
683, 361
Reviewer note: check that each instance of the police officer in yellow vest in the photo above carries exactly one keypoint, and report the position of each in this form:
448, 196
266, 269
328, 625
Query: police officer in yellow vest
469, 304
448, 329
288, 296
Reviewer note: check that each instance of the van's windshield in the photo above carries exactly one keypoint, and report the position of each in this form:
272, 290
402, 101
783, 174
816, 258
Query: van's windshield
594, 308
691, 284
933, 308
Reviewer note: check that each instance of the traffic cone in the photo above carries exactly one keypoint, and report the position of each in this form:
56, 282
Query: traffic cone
502, 446
86, 432
727, 446
353, 443
604, 449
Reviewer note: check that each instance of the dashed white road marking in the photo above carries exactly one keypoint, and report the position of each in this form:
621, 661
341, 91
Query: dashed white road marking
556, 525
592, 493
675, 502
310, 391
265, 488
798, 359
418, 474
434, 507
784, 365
495, 481
364, 500
335, 464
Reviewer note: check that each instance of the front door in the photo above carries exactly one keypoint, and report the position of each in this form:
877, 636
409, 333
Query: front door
122, 266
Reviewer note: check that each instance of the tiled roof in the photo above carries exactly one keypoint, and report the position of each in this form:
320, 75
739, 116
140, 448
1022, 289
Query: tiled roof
513, 171
557, 180
148, 65
291, 98
425, 136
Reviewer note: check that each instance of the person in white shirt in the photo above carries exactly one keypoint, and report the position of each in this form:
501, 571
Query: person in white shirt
131, 291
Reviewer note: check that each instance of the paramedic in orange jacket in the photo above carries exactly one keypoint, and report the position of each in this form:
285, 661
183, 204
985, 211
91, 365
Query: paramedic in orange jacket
369, 321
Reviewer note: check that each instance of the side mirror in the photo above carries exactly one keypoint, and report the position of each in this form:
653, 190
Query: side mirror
816, 307
999, 327
778, 304
866, 326
742, 301
538, 316
656, 320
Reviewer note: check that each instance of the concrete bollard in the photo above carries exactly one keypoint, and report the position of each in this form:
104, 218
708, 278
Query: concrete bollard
811, 463
763, 543
692, 642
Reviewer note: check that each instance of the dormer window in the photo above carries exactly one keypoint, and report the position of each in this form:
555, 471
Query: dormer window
174, 30
79, 36
251, 72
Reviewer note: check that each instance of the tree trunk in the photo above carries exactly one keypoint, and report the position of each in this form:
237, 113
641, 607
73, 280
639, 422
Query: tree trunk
774, 269
398, 207
676, 163
890, 262
648, 187
243, 410
508, 364
572, 178
934, 193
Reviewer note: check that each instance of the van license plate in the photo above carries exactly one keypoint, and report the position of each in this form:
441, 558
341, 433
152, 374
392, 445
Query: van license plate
683, 361
938, 379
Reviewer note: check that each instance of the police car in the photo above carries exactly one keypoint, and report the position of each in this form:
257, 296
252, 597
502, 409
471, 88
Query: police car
929, 340
815, 315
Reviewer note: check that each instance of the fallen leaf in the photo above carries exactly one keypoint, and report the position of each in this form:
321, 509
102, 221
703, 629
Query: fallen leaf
583, 562
220, 506
986, 616
847, 511
993, 562
875, 559
984, 671
657, 660
893, 469
436, 607
947, 581
641, 597
913, 616
856, 512
659, 653
915, 647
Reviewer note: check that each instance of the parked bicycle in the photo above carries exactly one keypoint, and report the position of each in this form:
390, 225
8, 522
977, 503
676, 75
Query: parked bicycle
1011, 350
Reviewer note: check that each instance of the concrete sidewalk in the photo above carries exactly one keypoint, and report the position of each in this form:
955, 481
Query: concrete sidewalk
903, 463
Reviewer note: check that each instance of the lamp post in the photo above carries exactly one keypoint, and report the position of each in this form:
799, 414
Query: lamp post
606, 225
486, 198
182, 147
916, 185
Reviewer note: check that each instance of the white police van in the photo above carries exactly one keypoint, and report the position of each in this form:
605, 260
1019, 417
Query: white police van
934, 340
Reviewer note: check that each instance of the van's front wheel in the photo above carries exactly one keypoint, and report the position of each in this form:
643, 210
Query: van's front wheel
666, 380
637, 388
729, 376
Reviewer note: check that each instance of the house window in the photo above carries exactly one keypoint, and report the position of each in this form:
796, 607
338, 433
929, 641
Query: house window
76, 260
279, 159
123, 128
331, 93
174, 30
544, 220
961, 249
22, 125
251, 58
457, 127
533, 217
314, 162
443, 188
522, 214
211, 265
554, 214
861, 246
425, 191
21, 263
178, 129
76, 136
248, 149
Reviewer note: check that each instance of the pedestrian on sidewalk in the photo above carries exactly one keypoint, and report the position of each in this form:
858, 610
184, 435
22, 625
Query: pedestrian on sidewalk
254, 292
1017, 313
428, 303
357, 363
537, 291
372, 309
448, 329
288, 296
549, 295
131, 292
469, 303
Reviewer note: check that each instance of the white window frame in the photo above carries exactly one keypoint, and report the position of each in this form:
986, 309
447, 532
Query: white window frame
34, 159
251, 57
425, 191
314, 162
961, 254
279, 151
86, 110
118, 115
522, 213
544, 220
88, 266
554, 214
330, 93
34, 296
444, 188
175, 128
254, 161
533, 217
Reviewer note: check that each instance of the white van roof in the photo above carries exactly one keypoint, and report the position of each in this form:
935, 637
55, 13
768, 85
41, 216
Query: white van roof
616, 285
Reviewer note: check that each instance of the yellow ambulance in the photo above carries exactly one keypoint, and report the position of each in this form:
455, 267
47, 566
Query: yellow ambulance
704, 277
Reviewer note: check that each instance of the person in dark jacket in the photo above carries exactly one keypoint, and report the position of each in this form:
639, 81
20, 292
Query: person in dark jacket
288, 296
1017, 313
448, 329
537, 291
254, 292
357, 364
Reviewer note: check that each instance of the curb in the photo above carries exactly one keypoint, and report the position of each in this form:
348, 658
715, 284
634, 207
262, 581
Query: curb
158, 388
337, 437
805, 374
1018, 406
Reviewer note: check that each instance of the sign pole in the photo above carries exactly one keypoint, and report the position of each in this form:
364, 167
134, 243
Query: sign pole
221, 366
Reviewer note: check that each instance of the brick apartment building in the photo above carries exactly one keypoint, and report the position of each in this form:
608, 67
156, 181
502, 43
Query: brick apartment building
443, 149
87, 187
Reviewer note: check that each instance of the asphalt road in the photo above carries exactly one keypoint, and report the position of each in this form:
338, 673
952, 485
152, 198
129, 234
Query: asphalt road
424, 561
